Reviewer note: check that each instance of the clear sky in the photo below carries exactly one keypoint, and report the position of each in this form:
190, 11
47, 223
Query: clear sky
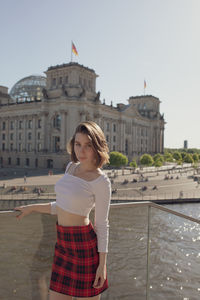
124, 41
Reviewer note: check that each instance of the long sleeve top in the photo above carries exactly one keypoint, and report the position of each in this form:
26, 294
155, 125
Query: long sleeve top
79, 196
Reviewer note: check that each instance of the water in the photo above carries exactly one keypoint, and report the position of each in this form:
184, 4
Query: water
174, 258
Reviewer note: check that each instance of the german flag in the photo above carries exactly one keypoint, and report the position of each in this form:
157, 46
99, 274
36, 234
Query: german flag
74, 49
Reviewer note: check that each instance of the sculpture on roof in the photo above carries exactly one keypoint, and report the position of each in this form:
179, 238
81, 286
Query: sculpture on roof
45, 94
97, 97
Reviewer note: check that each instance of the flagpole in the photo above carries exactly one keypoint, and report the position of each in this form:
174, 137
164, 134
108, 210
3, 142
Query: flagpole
71, 51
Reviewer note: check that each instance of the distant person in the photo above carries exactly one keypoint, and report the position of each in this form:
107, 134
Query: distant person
25, 180
79, 266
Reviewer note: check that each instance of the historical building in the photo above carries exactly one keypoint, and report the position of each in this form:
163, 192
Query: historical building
40, 115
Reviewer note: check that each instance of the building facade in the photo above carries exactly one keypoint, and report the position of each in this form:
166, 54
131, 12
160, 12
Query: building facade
34, 132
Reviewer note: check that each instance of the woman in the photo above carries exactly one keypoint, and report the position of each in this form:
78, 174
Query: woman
79, 266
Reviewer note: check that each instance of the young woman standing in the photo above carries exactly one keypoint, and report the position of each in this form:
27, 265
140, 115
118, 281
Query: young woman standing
79, 265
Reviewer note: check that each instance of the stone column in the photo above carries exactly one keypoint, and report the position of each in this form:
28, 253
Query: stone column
44, 134
34, 130
63, 130
16, 135
7, 133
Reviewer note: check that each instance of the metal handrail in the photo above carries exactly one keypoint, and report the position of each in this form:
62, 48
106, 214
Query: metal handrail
154, 205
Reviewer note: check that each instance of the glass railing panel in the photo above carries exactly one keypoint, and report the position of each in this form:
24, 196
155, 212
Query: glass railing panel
127, 254
174, 254
27, 252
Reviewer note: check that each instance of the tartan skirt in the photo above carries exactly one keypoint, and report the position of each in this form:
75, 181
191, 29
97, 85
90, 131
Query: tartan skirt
75, 262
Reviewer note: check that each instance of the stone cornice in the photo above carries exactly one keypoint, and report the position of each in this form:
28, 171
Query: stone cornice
71, 64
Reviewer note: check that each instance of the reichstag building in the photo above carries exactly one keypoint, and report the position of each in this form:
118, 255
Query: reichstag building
40, 113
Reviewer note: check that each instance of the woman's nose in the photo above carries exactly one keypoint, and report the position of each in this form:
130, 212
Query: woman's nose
82, 149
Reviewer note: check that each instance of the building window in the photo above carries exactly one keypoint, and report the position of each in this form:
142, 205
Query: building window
18, 161
107, 126
126, 146
90, 85
11, 125
39, 136
30, 124
29, 147
9, 160
20, 147
11, 136
114, 127
20, 136
39, 123
56, 143
29, 136
113, 147
36, 162
20, 124
4, 126
66, 79
27, 162
39, 147
114, 138
53, 82
107, 138
3, 146
57, 121
3, 136
60, 80
11, 147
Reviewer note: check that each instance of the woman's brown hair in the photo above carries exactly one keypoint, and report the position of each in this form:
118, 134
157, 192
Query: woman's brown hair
97, 137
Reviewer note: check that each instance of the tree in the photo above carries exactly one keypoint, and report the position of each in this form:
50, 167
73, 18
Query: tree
183, 154
195, 157
117, 159
188, 158
168, 157
146, 160
177, 156
158, 156
133, 164
158, 163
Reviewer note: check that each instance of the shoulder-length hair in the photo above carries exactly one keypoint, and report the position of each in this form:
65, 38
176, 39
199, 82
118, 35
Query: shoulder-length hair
97, 137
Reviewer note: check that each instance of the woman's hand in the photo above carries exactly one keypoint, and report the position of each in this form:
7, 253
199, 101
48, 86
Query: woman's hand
25, 211
100, 277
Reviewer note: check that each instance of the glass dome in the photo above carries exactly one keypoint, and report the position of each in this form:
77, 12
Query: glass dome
28, 89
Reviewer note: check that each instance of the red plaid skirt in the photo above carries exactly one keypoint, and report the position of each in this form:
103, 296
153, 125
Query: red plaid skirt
75, 262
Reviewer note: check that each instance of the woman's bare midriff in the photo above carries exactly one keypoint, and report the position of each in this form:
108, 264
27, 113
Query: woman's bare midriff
66, 218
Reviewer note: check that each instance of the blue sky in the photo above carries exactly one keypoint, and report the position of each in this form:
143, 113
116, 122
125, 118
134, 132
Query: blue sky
124, 41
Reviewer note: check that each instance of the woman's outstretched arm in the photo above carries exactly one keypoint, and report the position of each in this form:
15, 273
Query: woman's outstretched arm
28, 209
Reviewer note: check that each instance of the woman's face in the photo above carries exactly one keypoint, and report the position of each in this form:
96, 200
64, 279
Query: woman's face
83, 149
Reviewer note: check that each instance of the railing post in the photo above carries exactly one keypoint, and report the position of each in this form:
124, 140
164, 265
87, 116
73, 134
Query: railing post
148, 253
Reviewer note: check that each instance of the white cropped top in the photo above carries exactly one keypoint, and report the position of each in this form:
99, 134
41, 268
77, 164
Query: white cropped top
79, 196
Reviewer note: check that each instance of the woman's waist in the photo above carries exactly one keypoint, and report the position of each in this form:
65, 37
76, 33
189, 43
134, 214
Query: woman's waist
68, 218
